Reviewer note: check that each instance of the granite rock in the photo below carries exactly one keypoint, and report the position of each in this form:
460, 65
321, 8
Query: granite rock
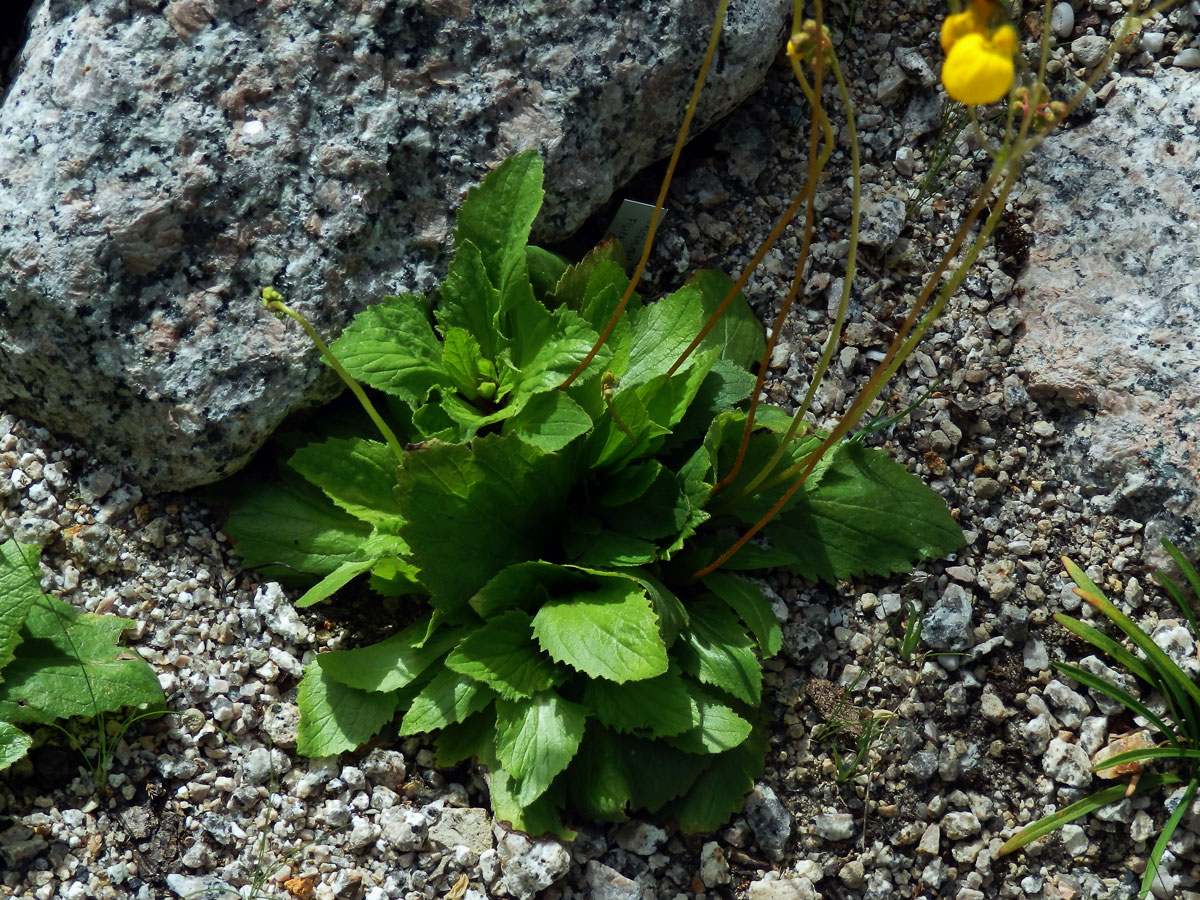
947, 624
1112, 301
470, 827
529, 866
161, 162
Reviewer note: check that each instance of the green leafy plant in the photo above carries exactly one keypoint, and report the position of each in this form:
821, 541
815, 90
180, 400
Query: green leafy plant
1178, 725
860, 731
552, 502
59, 663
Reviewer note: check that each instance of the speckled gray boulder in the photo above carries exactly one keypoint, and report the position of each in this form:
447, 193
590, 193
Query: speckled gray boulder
160, 163
1112, 302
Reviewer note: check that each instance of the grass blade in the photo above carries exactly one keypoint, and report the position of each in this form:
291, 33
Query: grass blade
1174, 678
1176, 594
1164, 836
1122, 697
1193, 579
1047, 824
1147, 753
1188, 570
1108, 646
1081, 580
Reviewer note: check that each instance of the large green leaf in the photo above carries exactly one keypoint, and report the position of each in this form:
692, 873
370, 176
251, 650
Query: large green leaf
623, 431
724, 387
718, 727
446, 699
503, 655
470, 301
463, 362
545, 270
668, 397
394, 662
391, 346
747, 600
462, 740
660, 511
608, 632
715, 649
737, 334
721, 789
601, 271
550, 347
658, 707
661, 331
68, 663
19, 590
598, 782
605, 285
866, 516
550, 421
539, 816
496, 217
472, 511
658, 772
357, 475
526, 585
536, 739
607, 548
14, 744
334, 716
291, 523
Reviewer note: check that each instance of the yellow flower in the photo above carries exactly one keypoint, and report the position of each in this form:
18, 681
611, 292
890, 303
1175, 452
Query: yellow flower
979, 60
961, 24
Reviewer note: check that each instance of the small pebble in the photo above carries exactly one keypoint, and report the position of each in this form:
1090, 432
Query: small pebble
1089, 49
1062, 20
714, 868
834, 826
1187, 59
1067, 764
959, 825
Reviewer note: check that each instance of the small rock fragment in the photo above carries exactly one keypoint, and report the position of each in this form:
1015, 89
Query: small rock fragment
530, 866
947, 624
834, 826
959, 825
640, 838
1062, 20
1067, 764
606, 883
782, 889
1089, 49
770, 822
714, 867
1187, 59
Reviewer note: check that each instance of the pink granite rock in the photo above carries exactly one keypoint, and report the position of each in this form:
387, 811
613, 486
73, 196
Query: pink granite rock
1112, 300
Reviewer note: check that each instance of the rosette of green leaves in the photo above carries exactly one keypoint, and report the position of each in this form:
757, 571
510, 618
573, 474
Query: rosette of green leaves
554, 532
57, 662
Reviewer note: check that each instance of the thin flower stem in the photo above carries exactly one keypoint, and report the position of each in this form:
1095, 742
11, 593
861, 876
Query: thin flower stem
273, 301
820, 123
847, 286
814, 98
1044, 43
900, 347
992, 150
693, 102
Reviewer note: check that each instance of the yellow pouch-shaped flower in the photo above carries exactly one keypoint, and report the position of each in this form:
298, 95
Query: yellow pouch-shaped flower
979, 66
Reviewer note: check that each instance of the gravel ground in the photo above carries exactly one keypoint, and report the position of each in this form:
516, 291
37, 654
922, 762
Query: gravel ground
982, 738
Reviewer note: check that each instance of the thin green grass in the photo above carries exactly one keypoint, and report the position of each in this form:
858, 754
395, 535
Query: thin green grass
1178, 725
